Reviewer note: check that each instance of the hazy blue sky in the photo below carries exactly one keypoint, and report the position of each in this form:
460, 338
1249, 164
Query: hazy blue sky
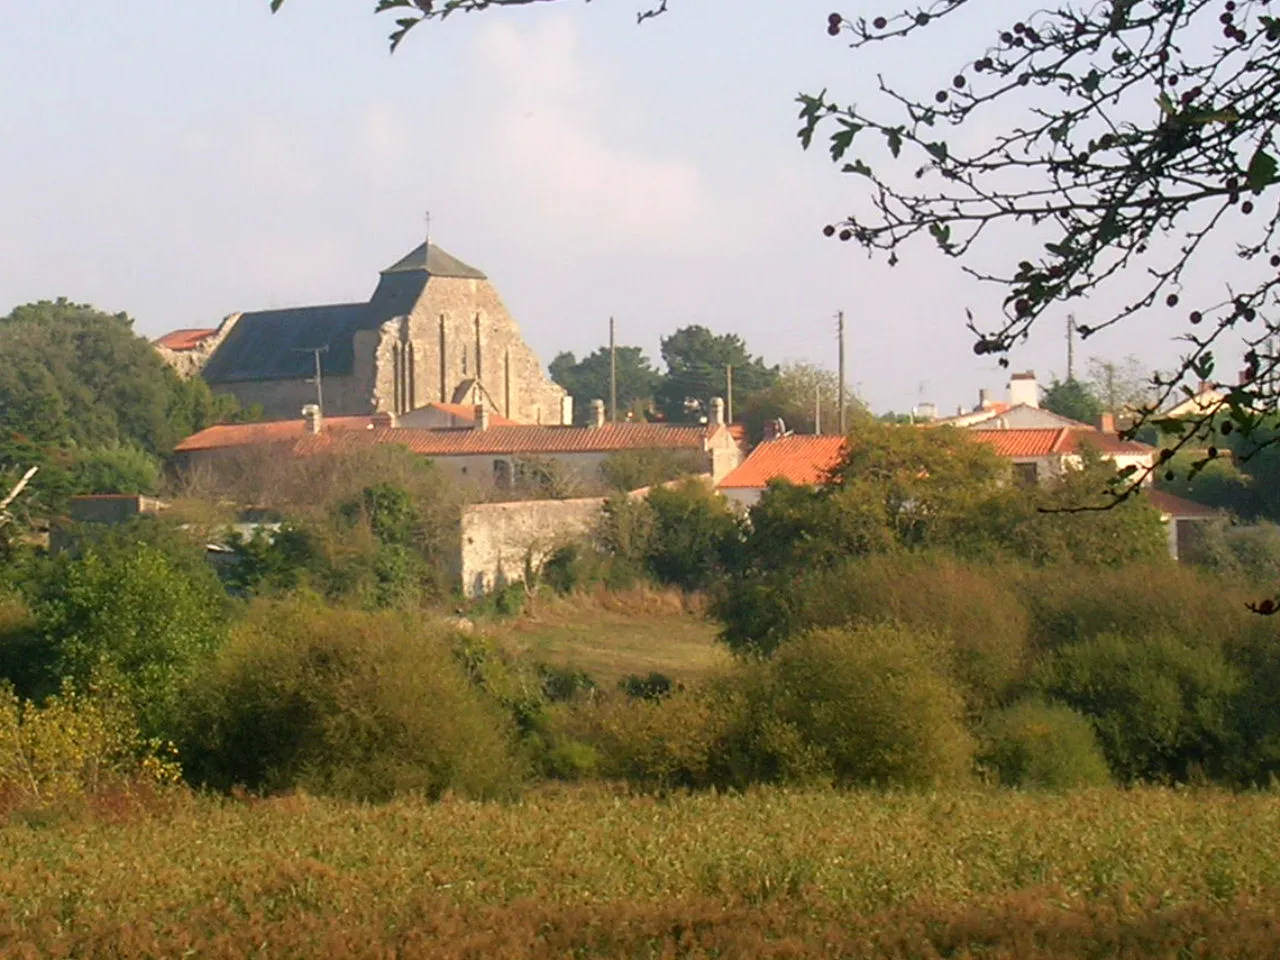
181, 161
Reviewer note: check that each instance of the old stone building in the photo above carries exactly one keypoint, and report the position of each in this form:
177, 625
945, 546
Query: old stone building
435, 331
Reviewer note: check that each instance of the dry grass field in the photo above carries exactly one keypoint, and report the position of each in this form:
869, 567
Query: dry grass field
613, 635
591, 873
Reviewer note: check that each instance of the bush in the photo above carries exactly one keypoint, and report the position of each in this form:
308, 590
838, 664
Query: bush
655, 686
72, 746
27, 662
635, 469
979, 619
1161, 707
357, 704
1034, 744
694, 535
562, 684
139, 606
876, 702
123, 468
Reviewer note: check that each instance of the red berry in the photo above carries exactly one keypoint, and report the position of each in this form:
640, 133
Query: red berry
833, 29
1171, 300
834, 19
828, 231
846, 234
1196, 316
879, 23
1246, 207
941, 96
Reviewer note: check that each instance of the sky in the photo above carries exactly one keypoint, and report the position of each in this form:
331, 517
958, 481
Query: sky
182, 161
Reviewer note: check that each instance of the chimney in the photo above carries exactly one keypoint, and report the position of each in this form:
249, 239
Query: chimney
383, 420
717, 412
482, 417
312, 418
1023, 390
1107, 423
984, 399
774, 429
597, 414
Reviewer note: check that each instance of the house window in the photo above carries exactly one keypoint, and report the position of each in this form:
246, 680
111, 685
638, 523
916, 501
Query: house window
502, 474
1026, 474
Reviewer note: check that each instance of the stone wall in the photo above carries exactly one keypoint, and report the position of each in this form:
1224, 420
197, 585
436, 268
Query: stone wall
188, 363
445, 320
501, 542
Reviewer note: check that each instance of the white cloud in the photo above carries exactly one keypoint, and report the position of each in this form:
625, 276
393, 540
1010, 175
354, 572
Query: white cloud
547, 160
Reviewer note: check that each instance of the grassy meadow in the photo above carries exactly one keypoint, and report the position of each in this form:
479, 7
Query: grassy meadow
614, 635
587, 872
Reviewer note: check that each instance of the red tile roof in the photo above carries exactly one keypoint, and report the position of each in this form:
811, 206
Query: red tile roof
802, 460
271, 431
1044, 442
185, 339
514, 440
1173, 506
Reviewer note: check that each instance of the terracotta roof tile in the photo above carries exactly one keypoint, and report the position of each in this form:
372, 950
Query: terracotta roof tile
515, 440
270, 431
802, 460
185, 339
1043, 442
1173, 506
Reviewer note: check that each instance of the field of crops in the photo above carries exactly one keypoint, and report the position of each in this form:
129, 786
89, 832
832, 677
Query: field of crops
589, 873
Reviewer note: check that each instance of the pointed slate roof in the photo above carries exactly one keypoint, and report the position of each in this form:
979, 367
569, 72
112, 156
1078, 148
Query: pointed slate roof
275, 344
438, 264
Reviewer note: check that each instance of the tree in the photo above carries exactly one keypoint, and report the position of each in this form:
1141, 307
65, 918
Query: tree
1120, 149
74, 375
697, 370
1119, 387
1071, 398
588, 379
796, 397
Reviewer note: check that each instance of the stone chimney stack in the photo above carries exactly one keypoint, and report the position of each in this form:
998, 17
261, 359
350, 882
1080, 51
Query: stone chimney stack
774, 429
717, 412
482, 417
383, 420
313, 419
984, 399
1023, 390
597, 414
1107, 423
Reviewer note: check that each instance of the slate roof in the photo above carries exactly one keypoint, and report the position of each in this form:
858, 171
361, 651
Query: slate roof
185, 339
439, 264
802, 460
270, 431
276, 344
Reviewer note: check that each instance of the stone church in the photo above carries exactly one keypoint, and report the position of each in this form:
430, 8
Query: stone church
435, 331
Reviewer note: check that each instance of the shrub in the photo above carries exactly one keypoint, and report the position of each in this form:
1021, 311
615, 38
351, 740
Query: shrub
655, 686
655, 744
138, 606
123, 468
1034, 744
979, 619
26, 660
1161, 707
694, 535
635, 469
561, 684
74, 745
876, 701
352, 703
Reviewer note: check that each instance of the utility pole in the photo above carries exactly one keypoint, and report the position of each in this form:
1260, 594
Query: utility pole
728, 390
316, 351
840, 388
817, 406
613, 372
1071, 347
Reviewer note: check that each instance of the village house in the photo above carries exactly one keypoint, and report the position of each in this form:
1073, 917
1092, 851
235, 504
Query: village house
484, 451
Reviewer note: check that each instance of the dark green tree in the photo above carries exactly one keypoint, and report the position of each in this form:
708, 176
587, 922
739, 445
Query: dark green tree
76, 377
1071, 398
697, 370
588, 379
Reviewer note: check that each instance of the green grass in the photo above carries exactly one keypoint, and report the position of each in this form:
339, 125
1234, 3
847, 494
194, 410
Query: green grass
1104, 873
612, 636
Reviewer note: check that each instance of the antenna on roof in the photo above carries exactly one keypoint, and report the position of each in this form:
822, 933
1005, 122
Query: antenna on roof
426, 247
318, 380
